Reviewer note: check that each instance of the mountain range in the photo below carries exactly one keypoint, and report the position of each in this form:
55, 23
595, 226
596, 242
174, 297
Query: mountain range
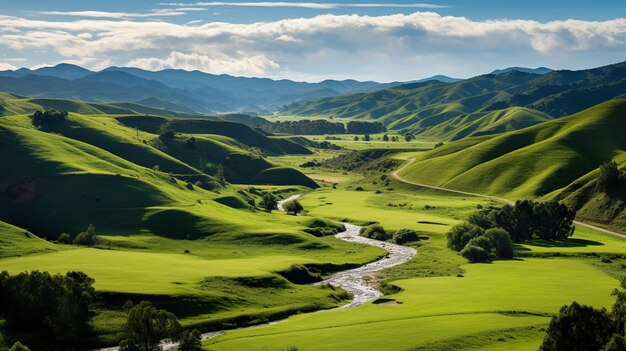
486, 104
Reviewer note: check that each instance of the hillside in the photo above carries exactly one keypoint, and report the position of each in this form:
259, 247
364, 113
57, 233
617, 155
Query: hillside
45, 168
443, 110
532, 162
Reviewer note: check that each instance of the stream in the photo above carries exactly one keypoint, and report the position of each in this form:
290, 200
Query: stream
359, 282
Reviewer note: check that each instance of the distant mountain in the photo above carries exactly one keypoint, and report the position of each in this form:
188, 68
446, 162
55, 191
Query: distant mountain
485, 104
538, 70
192, 90
439, 78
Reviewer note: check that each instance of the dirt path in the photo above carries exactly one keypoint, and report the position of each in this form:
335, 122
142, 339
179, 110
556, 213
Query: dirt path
359, 282
410, 161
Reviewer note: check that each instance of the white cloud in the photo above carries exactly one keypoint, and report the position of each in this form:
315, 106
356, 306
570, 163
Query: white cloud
6, 66
105, 14
308, 5
376, 47
246, 65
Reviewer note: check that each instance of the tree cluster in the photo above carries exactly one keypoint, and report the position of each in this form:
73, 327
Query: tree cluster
147, 326
610, 177
48, 117
479, 245
56, 307
268, 202
580, 327
86, 238
306, 127
527, 219
362, 127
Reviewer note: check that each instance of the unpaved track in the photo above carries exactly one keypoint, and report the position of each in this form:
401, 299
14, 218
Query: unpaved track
359, 282
410, 161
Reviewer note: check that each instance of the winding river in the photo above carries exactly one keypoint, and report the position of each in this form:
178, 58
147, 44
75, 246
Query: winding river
359, 282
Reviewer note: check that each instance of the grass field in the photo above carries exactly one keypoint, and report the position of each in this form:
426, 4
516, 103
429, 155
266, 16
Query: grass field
502, 295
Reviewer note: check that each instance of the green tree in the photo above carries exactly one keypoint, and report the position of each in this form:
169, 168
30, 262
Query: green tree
553, 220
408, 137
64, 238
518, 220
460, 234
87, 238
578, 327
617, 343
501, 242
293, 207
146, 326
385, 137
189, 340
374, 231
19, 347
608, 176
268, 202
482, 242
356, 138
367, 137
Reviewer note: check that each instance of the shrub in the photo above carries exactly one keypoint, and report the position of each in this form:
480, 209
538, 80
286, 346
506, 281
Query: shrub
404, 236
359, 188
48, 117
88, 238
501, 242
461, 234
482, 242
484, 220
64, 238
475, 253
293, 207
375, 232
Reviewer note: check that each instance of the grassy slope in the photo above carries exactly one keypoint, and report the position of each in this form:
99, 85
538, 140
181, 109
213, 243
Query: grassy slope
531, 162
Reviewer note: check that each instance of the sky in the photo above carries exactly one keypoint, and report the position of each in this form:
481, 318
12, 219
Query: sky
310, 40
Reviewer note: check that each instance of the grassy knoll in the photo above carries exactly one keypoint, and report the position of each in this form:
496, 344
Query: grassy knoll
16, 241
505, 294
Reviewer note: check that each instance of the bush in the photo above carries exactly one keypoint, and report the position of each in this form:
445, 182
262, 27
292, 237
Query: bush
501, 242
64, 238
475, 253
404, 236
189, 340
375, 232
293, 207
482, 242
461, 234
88, 238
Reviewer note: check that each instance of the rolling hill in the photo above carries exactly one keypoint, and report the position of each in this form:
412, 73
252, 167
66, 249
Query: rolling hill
445, 110
539, 161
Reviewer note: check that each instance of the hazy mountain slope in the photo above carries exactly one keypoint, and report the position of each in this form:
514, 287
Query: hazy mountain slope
530, 162
420, 107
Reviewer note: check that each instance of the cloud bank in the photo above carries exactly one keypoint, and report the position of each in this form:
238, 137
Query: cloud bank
401, 46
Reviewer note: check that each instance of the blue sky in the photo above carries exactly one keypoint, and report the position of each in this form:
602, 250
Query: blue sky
312, 40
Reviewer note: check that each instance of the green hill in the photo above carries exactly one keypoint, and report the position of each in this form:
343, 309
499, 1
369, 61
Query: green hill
532, 162
486, 104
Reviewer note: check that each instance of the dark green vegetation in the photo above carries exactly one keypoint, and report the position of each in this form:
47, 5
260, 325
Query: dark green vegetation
556, 160
54, 307
580, 327
486, 104
146, 326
